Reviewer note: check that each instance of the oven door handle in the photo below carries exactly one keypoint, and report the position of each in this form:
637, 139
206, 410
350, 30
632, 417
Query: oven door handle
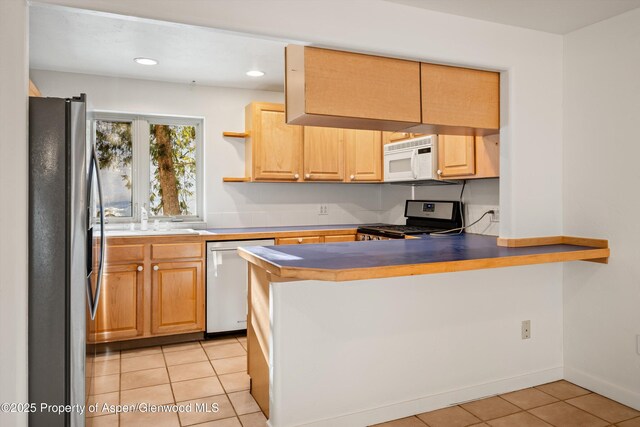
413, 164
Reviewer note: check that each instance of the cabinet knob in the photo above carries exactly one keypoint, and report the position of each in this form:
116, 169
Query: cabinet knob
140, 268
439, 172
308, 176
296, 176
352, 177
299, 239
156, 268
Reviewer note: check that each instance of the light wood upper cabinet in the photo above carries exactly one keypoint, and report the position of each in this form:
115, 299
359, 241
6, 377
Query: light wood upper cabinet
487, 156
456, 155
177, 297
459, 101
363, 150
273, 148
276, 151
323, 154
468, 157
332, 88
390, 137
119, 314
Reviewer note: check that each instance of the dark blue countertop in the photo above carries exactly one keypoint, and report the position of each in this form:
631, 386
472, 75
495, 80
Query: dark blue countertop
332, 258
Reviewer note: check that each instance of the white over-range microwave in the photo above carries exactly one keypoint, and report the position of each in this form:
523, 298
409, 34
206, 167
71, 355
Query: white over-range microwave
411, 159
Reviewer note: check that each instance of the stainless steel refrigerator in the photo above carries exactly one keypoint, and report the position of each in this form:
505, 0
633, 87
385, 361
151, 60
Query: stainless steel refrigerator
66, 257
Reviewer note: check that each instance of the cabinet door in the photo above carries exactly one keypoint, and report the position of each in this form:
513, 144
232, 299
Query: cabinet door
456, 156
364, 155
460, 101
323, 154
275, 146
389, 137
350, 90
298, 240
487, 156
177, 297
120, 310
340, 238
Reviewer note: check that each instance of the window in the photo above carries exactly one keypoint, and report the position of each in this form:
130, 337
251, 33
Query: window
152, 162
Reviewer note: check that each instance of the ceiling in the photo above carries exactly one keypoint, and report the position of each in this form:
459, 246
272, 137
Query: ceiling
72, 40
553, 16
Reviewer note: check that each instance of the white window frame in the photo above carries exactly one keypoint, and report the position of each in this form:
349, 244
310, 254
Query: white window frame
141, 168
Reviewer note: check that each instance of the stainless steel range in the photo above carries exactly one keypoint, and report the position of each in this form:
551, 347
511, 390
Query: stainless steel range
423, 217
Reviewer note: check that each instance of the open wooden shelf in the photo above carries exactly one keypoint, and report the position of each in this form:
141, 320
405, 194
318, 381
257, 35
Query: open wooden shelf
234, 179
235, 134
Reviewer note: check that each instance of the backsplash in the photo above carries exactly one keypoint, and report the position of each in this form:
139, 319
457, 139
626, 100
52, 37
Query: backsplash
479, 196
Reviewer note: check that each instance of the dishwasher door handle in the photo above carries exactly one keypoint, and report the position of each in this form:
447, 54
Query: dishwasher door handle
216, 256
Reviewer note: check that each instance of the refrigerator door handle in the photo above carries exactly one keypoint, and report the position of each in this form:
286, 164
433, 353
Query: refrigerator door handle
94, 300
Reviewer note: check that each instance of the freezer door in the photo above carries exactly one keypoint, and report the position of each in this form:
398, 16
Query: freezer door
227, 277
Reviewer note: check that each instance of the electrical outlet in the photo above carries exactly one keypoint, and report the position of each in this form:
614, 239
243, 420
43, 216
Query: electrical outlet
495, 216
526, 329
324, 210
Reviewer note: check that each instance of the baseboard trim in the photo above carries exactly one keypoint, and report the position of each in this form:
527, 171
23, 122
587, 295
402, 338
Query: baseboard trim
619, 394
436, 401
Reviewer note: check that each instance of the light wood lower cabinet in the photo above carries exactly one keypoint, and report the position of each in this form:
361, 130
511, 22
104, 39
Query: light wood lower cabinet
177, 297
316, 239
340, 238
120, 310
151, 287
298, 240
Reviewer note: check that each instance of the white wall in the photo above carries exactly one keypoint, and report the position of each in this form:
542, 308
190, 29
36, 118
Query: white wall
405, 345
230, 204
13, 217
601, 177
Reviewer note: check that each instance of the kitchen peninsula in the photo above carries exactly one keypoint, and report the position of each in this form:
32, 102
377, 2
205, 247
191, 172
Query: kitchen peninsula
393, 331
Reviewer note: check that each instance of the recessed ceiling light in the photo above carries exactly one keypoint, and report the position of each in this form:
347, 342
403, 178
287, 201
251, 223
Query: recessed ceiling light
255, 73
145, 61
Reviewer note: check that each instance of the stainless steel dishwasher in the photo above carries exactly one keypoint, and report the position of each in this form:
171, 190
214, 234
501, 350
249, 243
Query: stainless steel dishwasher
227, 278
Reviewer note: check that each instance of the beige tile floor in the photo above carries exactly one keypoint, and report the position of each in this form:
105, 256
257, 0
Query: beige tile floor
559, 404
206, 372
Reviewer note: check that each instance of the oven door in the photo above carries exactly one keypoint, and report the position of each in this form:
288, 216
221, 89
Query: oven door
400, 165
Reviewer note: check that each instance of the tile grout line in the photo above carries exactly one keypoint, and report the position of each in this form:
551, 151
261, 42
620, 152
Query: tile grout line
166, 368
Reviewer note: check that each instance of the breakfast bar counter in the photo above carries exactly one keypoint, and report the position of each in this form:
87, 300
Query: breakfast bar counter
425, 255
401, 335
